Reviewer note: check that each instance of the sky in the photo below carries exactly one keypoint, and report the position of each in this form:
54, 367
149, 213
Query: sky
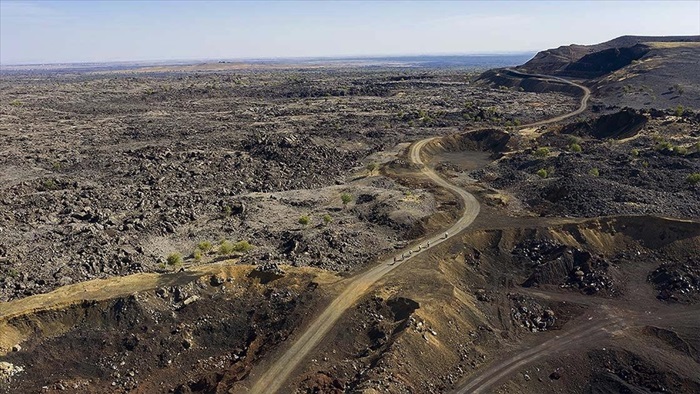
103, 31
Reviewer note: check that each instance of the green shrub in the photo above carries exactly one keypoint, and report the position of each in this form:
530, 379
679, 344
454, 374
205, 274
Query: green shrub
345, 198
635, 152
665, 145
327, 218
679, 111
49, 184
693, 178
542, 173
16, 103
371, 167
304, 220
575, 147
197, 255
242, 247
205, 246
174, 259
594, 171
225, 247
542, 152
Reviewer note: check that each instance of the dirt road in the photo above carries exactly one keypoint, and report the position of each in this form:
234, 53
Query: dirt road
604, 318
274, 378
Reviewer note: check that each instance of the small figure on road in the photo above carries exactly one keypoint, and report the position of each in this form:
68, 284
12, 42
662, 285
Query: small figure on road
428, 244
445, 234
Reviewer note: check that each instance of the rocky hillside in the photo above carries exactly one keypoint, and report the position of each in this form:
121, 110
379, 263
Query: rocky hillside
633, 71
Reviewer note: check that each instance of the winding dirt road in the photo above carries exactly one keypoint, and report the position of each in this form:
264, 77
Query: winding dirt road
277, 374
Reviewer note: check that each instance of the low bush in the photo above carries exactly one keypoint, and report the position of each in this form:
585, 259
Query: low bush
205, 246
225, 247
693, 178
574, 147
174, 259
542, 152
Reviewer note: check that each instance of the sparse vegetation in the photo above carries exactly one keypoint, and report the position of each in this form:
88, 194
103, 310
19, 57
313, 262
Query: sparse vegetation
327, 218
304, 220
635, 152
693, 178
346, 198
664, 145
542, 152
574, 147
542, 173
16, 103
371, 167
49, 184
679, 110
197, 255
242, 247
174, 259
225, 247
594, 172
205, 246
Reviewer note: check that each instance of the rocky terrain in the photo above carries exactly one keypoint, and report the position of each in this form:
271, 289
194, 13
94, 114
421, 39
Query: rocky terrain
191, 224
629, 71
107, 174
628, 162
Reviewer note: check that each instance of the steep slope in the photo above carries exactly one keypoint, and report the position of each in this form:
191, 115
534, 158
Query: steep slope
629, 71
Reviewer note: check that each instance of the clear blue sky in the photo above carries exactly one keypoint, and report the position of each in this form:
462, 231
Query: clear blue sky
79, 31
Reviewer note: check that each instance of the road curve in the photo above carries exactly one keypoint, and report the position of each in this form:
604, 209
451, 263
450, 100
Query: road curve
590, 331
276, 375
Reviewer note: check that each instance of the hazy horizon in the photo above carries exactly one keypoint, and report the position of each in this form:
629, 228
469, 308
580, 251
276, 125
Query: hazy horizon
60, 32
286, 58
